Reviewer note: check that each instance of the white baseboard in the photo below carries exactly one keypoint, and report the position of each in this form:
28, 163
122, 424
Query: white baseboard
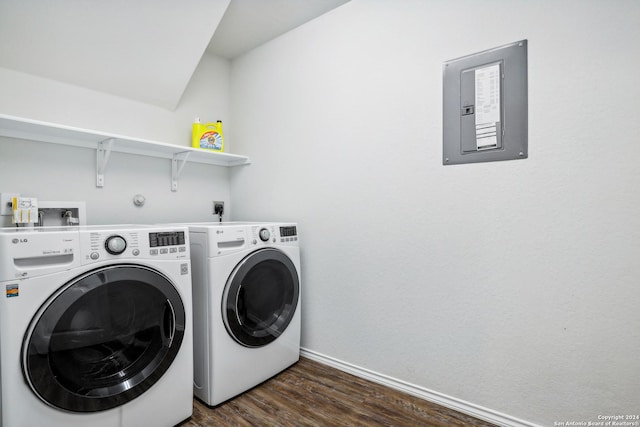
421, 392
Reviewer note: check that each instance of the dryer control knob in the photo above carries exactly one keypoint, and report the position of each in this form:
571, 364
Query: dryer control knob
264, 235
115, 245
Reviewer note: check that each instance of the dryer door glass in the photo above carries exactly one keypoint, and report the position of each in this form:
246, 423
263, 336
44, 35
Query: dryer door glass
260, 297
103, 339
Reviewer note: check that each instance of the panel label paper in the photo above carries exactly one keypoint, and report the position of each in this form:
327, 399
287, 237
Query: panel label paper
487, 101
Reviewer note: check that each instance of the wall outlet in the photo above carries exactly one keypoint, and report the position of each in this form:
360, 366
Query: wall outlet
218, 208
5, 203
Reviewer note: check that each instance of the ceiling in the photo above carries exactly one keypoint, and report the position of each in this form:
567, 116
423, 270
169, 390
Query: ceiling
145, 50
251, 23
133, 49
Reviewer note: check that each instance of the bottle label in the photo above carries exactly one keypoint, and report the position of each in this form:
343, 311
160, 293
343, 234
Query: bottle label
211, 140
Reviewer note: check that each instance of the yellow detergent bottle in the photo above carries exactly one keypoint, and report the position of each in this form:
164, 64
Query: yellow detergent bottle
208, 136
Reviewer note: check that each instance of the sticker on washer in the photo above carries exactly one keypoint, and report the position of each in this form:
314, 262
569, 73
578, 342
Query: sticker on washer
13, 291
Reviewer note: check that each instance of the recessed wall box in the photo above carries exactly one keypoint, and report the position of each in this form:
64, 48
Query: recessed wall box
61, 214
485, 106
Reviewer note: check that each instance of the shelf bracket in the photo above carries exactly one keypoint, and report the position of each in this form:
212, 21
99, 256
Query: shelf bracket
102, 158
178, 162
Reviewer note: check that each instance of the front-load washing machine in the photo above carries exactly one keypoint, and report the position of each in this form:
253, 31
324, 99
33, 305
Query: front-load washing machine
96, 326
246, 290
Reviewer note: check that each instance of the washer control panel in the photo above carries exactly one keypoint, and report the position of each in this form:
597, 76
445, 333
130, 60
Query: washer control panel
166, 238
115, 245
167, 242
135, 243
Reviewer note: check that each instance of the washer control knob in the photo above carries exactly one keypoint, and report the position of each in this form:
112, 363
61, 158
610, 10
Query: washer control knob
115, 245
264, 235
94, 255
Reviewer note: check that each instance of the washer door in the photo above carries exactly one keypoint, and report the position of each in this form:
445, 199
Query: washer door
103, 339
260, 297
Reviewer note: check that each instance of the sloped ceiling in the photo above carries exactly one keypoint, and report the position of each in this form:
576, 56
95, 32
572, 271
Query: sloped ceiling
145, 50
250, 23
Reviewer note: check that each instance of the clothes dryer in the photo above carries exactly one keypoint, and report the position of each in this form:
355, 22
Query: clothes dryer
246, 288
96, 326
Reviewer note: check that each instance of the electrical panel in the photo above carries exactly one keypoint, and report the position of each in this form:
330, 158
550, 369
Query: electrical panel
485, 106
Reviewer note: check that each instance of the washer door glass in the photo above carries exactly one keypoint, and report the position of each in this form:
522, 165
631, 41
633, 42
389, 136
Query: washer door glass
104, 338
260, 297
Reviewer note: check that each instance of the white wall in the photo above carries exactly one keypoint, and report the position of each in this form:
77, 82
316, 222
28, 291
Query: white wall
53, 172
510, 285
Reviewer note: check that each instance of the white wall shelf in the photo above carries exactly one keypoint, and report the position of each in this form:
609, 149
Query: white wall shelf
104, 144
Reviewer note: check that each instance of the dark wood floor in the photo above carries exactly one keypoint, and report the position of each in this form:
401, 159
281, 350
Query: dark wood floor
313, 394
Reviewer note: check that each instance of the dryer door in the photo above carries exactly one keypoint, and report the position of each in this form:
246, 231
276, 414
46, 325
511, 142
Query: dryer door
260, 297
104, 338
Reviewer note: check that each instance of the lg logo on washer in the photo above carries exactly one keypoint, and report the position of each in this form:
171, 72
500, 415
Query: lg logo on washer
15, 241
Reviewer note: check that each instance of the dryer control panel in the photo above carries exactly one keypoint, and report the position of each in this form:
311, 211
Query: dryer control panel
274, 234
288, 233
